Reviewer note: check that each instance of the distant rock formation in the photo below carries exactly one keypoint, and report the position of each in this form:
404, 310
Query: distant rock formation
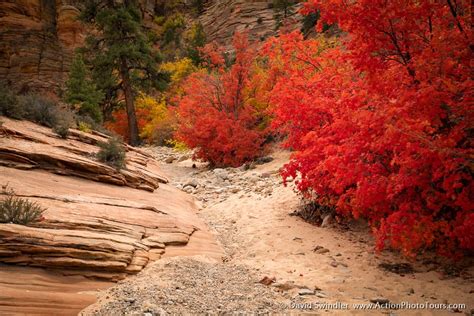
38, 37
222, 18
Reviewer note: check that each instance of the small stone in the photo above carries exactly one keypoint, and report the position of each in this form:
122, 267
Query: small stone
320, 250
327, 220
334, 264
306, 291
267, 280
170, 159
184, 157
288, 285
221, 173
191, 182
262, 160
298, 239
321, 295
379, 300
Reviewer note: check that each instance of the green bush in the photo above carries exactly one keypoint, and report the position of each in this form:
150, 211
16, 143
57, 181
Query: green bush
112, 153
37, 109
9, 105
64, 123
17, 210
62, 130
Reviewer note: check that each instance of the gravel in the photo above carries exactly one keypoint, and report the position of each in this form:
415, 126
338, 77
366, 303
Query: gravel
179, 286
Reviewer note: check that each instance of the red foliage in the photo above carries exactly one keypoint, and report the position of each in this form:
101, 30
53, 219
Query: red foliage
382, 127
119, 123
214, 116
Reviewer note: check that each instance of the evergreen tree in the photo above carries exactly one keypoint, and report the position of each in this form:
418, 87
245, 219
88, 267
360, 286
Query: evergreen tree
283, 9
121, 54
82, 92
195, 39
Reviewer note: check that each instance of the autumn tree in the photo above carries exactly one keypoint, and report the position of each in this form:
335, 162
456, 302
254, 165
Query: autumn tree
215, 115
382, 124
121, 54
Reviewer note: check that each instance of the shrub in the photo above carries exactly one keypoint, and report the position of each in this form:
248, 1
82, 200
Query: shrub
40, 110
112, 153
382, 127
61, 130
18, 210
160, 122
9, 105
177, 145
63, 124
37, 109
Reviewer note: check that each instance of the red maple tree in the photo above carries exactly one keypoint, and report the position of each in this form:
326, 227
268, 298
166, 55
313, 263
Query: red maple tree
382, 124
214, 115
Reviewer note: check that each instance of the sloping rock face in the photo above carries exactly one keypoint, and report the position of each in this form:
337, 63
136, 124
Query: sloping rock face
100, 223
222, 18
28, 146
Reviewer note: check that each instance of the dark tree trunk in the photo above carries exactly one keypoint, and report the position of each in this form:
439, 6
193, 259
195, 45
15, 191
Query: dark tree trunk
129, 103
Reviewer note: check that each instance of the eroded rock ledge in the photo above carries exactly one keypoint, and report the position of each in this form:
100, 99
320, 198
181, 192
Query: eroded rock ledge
100, 222
25, 145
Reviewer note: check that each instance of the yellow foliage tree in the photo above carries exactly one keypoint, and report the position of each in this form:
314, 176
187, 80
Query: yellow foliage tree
159, 122
178, 70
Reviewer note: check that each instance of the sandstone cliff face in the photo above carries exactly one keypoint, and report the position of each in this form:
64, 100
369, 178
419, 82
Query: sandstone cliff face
37, 38
222, 18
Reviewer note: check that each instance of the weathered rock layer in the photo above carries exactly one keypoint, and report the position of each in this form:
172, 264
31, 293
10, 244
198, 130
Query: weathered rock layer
99, 222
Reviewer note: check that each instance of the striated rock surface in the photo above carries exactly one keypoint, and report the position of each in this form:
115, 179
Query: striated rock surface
100, 223
37, 39
222, 18
25, 145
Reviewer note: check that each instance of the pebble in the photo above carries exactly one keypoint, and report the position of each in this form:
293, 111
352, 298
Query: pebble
170, 159
379, 300
305, 291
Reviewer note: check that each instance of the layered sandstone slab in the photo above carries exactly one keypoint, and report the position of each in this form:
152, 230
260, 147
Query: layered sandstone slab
26, 145
100, 223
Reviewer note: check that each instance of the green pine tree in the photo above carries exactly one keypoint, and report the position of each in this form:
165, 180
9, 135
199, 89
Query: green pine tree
283, 9
121, 54
195, 39
82, 92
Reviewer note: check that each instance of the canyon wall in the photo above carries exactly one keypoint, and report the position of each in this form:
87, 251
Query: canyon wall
38, 37
221, 18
